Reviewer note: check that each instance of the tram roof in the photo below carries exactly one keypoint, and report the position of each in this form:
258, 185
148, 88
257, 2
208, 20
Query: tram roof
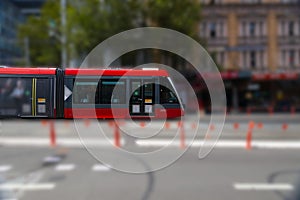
27, 70
117, 72
88, 72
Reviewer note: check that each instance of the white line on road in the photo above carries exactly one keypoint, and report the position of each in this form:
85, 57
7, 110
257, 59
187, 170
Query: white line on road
66, 142
262, 144
94, 142
263, 186
52, 159
10, 199
99, 167
32, 187
5, 168
65, 167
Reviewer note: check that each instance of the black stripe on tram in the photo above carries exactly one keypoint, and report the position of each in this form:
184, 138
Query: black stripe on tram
59, 93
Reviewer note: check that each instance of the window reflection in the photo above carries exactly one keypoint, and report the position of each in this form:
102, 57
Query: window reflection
15, 96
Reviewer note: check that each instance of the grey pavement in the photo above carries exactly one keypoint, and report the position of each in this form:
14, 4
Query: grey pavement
188, 178
33, 172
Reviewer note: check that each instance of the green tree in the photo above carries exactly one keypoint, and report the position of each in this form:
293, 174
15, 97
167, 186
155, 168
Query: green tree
94, 21
44, 50
89, 22
180, 15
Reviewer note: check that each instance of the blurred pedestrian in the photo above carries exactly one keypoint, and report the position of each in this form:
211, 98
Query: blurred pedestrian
17, 94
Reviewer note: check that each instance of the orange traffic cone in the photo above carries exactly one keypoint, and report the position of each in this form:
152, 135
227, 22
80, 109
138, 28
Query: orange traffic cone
52, 134
117, 136
284, 127
236, 126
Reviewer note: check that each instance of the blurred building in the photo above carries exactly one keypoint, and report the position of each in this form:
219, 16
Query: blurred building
257, 44
29, 7
12, 13
252, 35
10, 17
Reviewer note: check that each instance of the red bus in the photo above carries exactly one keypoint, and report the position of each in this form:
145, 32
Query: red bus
87, 93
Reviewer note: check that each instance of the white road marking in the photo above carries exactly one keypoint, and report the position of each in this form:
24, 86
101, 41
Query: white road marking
28, 182
65, 167
174, 125
94, 142
65, 142
31, 187
5, 168
263, 186
10, 199
262, 144
99, 167
52, 159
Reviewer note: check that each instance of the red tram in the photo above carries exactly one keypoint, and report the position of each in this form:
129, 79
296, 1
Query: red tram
80, 93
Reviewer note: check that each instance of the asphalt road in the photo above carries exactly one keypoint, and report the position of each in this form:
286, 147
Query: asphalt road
76, 177
32, 170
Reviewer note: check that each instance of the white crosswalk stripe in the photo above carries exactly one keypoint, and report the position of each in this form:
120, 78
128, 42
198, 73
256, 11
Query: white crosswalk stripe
263, 186
65, 167
99, 167
31, 187
63, 142
261, 144
5, 168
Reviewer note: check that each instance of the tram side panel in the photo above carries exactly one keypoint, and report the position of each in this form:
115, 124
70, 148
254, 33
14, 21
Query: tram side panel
88, 97
26, 96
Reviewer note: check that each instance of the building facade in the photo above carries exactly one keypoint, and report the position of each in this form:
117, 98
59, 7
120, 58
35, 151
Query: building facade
13, 13
258, 41
256, 35
10, 17
29, 7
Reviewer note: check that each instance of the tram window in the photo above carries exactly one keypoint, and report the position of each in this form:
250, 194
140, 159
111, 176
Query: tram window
136, 89
15, 96
113, 92
148, 91
167, 96
86, 92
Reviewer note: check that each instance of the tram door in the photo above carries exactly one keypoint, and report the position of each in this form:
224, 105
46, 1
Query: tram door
42, 97
25, 97
142, 97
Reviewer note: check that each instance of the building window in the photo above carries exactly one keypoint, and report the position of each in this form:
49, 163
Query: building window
252, 59
291, 58
244, 28
203, 30
244, 59
299, 28
282, 28
222, 58
221, 29
261, 59
283, 58
212, 30
261, 28
252, 27
299, 58
291, 28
